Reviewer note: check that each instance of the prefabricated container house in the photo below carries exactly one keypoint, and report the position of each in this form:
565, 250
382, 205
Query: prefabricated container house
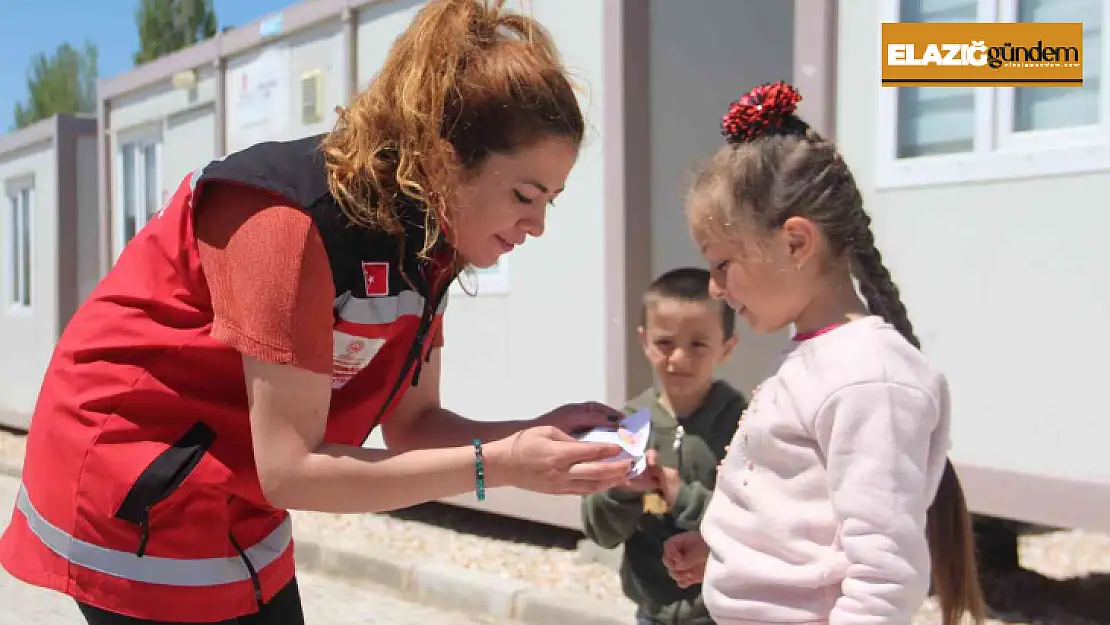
980, 197
48, 238
987, 209
655, 76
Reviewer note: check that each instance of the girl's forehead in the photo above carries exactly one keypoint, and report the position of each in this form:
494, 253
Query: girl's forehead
710, 233
729, 239
718, 248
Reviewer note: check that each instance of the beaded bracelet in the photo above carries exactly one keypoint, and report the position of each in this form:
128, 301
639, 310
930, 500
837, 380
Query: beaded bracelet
479, 471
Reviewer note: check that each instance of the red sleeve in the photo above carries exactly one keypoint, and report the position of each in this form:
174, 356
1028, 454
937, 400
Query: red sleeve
268, 275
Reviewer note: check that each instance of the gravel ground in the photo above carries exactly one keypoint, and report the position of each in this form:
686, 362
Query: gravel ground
1068, 581
11, 446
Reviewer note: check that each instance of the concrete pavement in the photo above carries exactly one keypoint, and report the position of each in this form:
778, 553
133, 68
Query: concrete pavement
326, 601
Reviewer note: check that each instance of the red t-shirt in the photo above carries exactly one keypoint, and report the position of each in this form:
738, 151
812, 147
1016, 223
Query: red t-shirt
282, 315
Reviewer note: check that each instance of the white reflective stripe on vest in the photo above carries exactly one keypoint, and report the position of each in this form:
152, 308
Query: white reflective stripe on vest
384, 309
153, 569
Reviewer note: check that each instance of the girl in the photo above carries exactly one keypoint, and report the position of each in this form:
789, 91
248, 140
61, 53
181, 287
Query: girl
836, 499
288, 300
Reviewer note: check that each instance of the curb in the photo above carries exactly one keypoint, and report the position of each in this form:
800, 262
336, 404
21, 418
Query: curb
457, 589
446, 587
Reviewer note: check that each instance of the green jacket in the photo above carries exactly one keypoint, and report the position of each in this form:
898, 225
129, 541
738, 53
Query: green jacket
616, 517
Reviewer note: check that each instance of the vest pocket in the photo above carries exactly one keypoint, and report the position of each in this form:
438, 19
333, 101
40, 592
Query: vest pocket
162, 477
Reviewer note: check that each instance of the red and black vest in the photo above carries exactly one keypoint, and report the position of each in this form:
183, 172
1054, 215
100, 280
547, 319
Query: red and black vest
140, 494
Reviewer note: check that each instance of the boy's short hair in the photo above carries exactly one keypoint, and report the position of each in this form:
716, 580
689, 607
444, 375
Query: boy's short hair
687, 284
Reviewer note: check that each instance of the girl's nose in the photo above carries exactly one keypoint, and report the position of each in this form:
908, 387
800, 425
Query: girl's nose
716, 291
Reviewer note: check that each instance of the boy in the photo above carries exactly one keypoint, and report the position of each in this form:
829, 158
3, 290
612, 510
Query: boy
685, 335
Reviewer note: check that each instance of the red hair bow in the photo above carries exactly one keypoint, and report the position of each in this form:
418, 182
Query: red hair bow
766, 107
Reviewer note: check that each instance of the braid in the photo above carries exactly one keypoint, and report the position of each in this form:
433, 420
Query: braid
877, 285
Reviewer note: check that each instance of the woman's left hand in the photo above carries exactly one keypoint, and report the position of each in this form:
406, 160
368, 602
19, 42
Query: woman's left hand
575, 418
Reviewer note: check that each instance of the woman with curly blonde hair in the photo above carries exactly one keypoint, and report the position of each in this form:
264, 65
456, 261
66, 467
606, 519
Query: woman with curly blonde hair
287, 300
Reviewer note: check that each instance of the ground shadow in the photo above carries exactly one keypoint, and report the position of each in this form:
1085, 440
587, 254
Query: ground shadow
493, 526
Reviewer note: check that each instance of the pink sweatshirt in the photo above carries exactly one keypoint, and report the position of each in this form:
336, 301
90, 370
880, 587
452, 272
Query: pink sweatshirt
819, 510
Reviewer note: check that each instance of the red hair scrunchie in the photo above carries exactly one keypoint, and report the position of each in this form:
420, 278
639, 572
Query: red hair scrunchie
767, 107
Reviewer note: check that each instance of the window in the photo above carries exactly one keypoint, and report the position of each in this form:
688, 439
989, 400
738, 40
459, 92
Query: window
1050, 109
20, 232
934, 135
140, 185
936, 120
312, 95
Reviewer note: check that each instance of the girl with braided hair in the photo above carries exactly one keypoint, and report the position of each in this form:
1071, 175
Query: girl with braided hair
836, 502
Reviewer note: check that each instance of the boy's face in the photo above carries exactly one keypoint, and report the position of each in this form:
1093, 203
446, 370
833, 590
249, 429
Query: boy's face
685, 341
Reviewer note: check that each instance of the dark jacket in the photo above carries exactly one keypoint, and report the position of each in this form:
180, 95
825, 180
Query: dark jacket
616, 517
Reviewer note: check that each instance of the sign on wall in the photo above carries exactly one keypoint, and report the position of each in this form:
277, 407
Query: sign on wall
258, 98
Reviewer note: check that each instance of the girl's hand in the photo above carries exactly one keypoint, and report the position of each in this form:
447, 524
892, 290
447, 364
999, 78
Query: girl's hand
685, 556
545, 459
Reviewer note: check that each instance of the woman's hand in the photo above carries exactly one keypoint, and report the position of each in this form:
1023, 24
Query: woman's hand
546, 459
575, 418
642, 483
685, 556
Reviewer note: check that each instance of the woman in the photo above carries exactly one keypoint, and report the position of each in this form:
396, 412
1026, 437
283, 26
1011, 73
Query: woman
287, 300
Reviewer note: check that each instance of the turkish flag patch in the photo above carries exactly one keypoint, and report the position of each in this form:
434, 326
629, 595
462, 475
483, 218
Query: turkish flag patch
376, 278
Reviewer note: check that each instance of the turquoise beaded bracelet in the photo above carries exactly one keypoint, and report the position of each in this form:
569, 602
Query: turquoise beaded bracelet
479, 471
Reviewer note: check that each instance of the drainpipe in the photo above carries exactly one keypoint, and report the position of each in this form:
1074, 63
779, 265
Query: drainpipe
220, 108
815, 47
350, 44
104, 174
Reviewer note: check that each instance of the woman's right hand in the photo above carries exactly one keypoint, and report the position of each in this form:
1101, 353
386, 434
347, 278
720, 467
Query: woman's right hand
545, 459
648, 480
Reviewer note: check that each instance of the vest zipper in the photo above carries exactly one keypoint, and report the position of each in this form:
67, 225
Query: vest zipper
144, 532
255, 582
415, 355
418, 343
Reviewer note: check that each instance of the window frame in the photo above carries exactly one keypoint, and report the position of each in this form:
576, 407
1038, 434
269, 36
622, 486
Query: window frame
141, 139
22, 303
999, 152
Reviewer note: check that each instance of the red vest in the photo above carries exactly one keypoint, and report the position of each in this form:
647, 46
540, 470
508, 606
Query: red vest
139, 492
